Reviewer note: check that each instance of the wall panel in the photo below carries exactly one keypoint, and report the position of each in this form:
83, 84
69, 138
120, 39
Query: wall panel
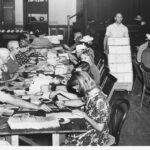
103, 10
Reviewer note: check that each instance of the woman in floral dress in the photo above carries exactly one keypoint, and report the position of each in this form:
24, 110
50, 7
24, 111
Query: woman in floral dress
96, 113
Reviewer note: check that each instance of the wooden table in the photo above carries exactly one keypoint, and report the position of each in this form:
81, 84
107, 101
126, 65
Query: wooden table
74, 126
58, 134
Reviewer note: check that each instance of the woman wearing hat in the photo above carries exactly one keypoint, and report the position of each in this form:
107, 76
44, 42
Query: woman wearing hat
77, 37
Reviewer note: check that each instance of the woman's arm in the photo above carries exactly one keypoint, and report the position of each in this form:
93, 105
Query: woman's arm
28, 53
97, 126
12, 79
68, 95
18, 102
74, 103
73, 99
15, 76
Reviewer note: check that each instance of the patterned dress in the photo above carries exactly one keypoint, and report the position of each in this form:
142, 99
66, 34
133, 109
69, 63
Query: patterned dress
22, 58
97, 109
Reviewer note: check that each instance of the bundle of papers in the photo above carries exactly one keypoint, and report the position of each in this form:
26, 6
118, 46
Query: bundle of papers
6, 111
45, 67
61, 69
55, 39
65, 55
38, 81
32, 122
52, 58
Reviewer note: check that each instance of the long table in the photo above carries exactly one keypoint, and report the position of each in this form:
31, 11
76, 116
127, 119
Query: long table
58, 134
76, 125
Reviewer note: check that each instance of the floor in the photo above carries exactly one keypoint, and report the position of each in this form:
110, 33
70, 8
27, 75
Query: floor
136, 129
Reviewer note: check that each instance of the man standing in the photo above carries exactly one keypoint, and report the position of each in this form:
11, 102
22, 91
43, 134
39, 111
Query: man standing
115, 30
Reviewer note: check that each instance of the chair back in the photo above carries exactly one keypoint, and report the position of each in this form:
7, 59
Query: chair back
103, 74
108, 85
146, 76
100, 63
138, 72
119, 112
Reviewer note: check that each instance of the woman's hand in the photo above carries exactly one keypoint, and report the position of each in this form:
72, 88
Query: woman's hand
44, 107
60, 104
79, 113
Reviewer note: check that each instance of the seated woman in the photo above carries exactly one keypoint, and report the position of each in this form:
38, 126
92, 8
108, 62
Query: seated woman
94, 70
24, 42
77, 37
88, 41
15, 53
9, 65
97, 111
75, 55
39, 41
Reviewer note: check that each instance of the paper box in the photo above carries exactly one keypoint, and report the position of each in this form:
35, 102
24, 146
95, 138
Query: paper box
118, 41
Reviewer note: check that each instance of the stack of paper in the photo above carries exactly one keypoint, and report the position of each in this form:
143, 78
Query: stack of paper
32, 122
61, 69
118, 41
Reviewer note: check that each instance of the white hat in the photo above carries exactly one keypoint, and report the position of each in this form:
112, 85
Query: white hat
87, 39
148, 36
79, 48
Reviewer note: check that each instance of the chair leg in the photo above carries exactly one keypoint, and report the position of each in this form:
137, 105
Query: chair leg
143, 94
133, 86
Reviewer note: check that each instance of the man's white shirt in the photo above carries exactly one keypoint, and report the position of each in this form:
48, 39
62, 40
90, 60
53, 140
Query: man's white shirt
117, 31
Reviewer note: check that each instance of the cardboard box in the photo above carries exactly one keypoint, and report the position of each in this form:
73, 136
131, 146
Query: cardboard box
119, 50
118, 41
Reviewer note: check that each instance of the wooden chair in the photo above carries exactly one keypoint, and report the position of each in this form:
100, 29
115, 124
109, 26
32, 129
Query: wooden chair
108, 85
146, 85
100, 64
119, 113
103, 74
137, 72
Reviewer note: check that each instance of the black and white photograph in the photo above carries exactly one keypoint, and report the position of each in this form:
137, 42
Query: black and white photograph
74, 74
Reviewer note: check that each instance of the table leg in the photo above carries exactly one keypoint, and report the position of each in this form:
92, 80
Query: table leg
57, 139
15, 140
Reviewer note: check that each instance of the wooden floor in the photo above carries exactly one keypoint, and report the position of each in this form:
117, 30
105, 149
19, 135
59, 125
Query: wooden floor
136, 129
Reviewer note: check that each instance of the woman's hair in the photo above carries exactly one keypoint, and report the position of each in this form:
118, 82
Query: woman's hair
10, 44
89, 52
22, 37
83, 66
85, 82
